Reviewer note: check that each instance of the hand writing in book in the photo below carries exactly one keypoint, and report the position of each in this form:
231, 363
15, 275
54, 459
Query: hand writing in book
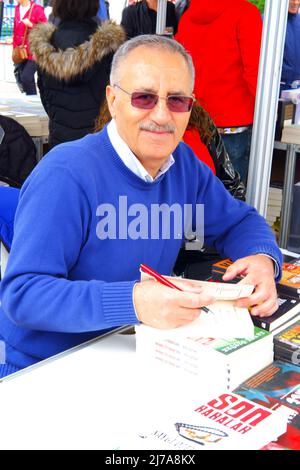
259, 271
164, 308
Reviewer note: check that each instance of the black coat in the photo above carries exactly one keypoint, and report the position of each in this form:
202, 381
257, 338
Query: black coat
139, 19
74, 61
17, 152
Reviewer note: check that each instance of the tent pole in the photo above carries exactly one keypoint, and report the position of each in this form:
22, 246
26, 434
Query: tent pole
273, 38
161, 16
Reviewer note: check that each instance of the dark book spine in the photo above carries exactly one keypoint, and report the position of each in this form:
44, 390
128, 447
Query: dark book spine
291, 291
259, 321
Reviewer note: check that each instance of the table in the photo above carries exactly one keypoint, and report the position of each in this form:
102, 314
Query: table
95, 396
30, 113
77, 400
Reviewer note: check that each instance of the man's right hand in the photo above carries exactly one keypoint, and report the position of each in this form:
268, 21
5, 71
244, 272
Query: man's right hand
162, 307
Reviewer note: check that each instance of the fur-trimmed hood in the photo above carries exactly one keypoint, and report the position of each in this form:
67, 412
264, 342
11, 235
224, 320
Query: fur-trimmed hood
66, 64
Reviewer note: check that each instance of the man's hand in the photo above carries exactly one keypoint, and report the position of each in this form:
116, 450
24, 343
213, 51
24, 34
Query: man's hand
165, 308
259, 271
27, 23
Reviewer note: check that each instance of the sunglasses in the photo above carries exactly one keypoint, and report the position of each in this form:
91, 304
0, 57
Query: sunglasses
146, 100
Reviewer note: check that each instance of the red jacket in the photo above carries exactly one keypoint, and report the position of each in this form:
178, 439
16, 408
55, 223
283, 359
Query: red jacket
37, 16
223, 37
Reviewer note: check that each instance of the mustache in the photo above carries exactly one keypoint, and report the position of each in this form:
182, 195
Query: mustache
152, 127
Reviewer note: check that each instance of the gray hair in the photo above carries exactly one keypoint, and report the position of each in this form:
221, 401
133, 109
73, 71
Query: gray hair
152, 41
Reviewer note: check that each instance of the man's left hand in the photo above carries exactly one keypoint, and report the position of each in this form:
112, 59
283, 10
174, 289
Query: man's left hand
259, 271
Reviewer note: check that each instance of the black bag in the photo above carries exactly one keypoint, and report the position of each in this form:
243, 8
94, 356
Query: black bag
194, 264
17, 152
18, 73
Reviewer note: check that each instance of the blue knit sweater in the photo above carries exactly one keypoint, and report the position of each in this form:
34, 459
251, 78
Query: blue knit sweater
64, 284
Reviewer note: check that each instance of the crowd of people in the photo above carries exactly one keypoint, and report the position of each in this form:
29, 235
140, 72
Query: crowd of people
136, 120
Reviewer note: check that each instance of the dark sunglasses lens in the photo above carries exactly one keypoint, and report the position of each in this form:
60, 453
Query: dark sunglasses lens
143, 100
179, 104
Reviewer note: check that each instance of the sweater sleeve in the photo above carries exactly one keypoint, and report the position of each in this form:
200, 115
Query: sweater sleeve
249, 37
232, 227
37, 291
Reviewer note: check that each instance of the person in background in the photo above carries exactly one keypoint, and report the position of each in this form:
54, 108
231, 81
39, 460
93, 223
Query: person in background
140, 18
224, 37
48, 9
78, 275
103, 10
291, 55
74, 60
27, 16
181, 6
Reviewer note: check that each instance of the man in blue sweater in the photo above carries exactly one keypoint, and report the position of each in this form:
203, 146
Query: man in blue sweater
95, 208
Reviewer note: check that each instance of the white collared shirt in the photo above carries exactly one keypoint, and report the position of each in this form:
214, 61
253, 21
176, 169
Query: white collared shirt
23, 11
128, 157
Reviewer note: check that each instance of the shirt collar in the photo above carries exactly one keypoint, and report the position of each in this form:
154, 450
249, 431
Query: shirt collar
128, 157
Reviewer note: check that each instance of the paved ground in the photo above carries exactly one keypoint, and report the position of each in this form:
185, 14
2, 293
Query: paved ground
9, 89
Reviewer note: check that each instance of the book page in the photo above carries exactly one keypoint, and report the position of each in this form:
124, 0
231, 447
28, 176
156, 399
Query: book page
219, 290
224, 320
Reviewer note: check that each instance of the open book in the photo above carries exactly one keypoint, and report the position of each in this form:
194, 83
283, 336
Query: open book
224, 319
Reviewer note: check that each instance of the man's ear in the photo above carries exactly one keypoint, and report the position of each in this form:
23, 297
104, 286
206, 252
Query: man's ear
110, 97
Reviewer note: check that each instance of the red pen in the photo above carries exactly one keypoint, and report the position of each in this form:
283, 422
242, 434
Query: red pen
147, 270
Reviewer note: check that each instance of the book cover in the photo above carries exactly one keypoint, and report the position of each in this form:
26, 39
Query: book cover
227, 421
290, 280
218, 270
289, 307
277, 387
287, 343
286, 355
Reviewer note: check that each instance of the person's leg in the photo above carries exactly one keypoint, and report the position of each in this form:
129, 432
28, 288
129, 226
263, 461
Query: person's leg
238, 148
27, 77
18, 74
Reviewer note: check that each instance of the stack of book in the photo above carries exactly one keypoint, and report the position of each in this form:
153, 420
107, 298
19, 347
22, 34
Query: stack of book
290, 281
203, 362
274, 204
277, 387
288, 294
288, 313
287, 344
291, 134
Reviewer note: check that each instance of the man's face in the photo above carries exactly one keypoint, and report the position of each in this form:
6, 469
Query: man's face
151, 134
294, 6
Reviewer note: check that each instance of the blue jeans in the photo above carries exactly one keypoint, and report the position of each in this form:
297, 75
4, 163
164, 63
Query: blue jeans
27, 71
238, 148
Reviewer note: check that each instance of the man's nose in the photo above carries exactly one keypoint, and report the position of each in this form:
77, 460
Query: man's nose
161, 113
